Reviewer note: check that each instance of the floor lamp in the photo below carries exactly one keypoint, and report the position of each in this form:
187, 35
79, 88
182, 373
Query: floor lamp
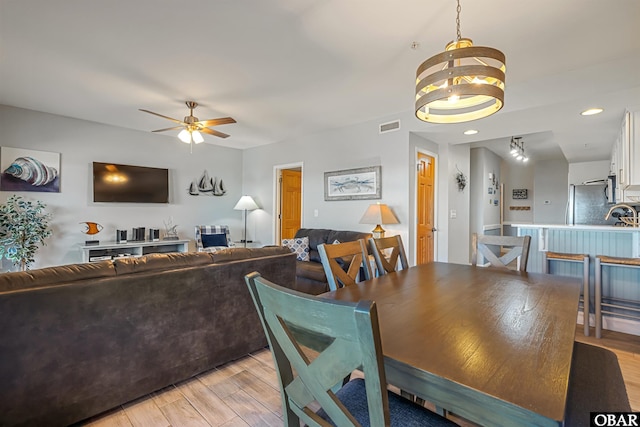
246, 203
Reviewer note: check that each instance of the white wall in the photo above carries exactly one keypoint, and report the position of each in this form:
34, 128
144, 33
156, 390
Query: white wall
459, 201
484, 210
81, 143
551, 192
521, 176
580, 172
348, 148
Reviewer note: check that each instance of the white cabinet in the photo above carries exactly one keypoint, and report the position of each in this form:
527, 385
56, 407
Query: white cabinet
632, 132
625, 159
93, 253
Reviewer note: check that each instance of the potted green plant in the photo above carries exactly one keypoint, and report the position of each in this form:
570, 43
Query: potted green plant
23, 226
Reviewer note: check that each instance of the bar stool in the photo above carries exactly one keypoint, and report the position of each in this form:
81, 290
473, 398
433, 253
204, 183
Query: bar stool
584, 259
616, 262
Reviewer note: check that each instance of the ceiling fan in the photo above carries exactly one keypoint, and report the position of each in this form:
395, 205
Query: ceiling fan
191, 126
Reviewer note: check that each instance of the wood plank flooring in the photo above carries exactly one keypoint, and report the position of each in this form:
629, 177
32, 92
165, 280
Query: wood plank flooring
245, 393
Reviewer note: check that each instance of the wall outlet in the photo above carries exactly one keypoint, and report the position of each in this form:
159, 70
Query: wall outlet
453, 214
315, 213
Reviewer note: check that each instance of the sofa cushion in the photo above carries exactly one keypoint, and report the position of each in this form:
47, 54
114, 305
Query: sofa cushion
209, 240
161, 262
234, 254
347, 236
316, 236
311, 270
299, 246
54, 275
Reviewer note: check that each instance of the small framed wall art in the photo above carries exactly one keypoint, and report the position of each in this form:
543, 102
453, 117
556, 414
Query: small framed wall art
519, 193
353, 184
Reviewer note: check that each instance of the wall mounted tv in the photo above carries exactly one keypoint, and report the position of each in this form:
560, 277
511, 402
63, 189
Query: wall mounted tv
129, 184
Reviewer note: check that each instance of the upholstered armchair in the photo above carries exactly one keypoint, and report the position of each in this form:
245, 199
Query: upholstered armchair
212, 238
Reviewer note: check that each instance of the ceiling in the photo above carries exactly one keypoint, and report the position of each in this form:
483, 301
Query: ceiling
286, 68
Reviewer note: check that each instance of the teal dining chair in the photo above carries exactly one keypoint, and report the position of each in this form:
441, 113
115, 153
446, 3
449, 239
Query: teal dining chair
351, 335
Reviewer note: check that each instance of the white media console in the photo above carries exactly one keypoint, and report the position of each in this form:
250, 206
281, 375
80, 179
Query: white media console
100, 252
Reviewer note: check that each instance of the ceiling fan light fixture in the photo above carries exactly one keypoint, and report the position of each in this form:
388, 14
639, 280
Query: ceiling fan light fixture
461, 84
184, 136
197, 137
192, 127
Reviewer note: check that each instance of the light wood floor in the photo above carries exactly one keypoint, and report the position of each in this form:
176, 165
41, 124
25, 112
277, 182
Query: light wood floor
245, 393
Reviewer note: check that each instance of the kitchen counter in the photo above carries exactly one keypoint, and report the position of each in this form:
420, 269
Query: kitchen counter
591, 240
609, 228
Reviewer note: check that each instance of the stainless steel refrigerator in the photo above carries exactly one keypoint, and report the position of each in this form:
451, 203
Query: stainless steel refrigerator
588, 205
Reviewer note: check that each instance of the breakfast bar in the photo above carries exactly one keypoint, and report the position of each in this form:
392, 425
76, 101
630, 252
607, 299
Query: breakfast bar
618, 283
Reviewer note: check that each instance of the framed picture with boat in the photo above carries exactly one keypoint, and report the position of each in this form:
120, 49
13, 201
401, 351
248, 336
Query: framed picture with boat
353, 184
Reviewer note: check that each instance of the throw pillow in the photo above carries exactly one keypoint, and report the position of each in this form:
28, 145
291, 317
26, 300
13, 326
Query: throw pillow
299, 245
209, 240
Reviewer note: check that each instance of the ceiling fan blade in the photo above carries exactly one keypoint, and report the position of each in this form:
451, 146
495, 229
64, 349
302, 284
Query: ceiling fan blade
215, 122
214, 133
164, 117
166, 129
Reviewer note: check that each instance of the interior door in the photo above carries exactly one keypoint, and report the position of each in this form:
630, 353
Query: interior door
425, 215
291, 202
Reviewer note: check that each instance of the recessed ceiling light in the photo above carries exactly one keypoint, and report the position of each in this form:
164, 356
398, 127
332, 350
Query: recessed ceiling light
592, 111
470, 132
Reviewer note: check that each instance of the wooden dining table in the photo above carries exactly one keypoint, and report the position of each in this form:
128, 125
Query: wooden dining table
493, 346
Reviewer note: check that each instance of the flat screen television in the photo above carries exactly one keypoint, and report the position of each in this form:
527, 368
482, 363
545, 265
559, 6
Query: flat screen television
129, 184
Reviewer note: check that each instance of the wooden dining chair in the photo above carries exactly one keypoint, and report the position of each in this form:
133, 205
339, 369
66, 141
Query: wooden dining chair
595, 385
352, 255
387, 261
352, 337
490, 247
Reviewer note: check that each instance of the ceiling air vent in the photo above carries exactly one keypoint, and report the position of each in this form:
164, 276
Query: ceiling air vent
390, 127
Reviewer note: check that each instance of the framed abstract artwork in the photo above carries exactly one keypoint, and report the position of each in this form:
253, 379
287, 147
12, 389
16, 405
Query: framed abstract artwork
353, 184
29, 170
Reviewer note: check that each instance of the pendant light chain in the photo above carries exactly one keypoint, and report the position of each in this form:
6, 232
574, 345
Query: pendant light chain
458, 9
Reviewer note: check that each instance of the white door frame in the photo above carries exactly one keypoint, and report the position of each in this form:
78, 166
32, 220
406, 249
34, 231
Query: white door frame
277, 172
415, 203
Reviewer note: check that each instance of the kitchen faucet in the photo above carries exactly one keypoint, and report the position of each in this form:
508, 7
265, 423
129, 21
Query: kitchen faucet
634, 219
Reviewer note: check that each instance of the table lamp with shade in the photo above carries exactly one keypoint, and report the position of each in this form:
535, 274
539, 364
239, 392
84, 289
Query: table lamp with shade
378, 213
246, 203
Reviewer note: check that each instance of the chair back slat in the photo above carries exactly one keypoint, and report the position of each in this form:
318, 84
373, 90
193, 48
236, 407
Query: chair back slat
353, 254
487, 246
387, 252
352, 333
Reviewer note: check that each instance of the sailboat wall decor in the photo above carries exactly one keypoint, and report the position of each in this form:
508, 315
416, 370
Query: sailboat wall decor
207, 186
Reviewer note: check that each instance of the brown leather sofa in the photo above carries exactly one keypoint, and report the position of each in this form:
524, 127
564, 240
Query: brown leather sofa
79, 339
310, 277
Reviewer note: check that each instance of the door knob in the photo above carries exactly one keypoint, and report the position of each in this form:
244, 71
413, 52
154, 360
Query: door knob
434, 229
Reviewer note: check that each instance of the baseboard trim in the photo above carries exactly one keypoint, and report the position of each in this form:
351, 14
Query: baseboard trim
617, 324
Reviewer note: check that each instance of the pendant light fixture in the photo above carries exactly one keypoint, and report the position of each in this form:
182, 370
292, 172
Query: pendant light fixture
461, 84
516, 147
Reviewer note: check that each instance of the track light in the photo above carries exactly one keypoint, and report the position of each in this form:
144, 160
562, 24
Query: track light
516, 147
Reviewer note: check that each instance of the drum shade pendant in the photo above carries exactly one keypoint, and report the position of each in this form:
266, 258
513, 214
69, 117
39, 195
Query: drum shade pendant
461, 84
